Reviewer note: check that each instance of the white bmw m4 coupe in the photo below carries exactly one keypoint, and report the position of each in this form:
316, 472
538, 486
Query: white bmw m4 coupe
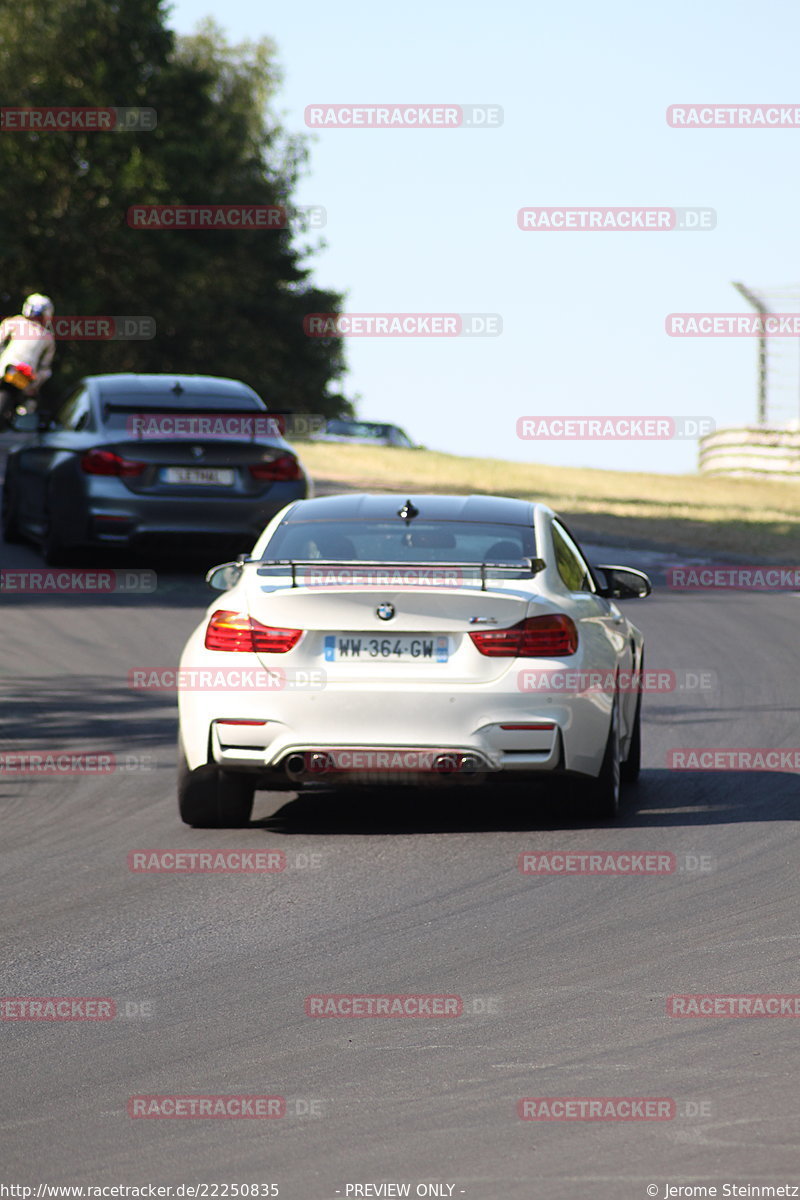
384, 639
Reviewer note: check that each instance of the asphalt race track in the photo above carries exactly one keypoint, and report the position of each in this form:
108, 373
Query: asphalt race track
564, 980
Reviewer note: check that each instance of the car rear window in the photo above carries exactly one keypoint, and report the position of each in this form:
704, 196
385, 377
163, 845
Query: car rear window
117, 414
354, 429
394, 541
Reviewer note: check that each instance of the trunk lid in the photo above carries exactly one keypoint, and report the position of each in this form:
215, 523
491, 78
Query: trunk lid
422, 635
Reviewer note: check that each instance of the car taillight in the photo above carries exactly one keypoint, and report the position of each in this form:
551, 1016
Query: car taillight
283, 468
232, 631
106, 462
536, 637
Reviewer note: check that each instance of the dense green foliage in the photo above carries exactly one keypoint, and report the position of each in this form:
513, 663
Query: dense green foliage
225, 302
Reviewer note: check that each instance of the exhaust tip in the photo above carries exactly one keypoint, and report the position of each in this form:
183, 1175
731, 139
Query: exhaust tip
445, 764
470, 764
302, 766
459, 764
295, 766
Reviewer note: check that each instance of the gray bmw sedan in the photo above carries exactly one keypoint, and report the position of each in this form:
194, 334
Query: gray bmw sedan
134, 460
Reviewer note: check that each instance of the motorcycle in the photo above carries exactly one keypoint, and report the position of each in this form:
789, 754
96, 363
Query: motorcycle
16, 379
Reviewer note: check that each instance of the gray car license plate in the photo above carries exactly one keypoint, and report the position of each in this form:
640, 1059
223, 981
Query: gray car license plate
210, 476
404, 647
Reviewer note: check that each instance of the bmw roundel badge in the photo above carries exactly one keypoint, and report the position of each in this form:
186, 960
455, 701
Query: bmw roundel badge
385, 611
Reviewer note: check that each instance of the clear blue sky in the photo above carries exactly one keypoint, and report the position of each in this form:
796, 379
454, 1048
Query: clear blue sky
426, 220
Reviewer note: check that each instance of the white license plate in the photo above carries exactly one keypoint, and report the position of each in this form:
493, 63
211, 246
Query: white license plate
213, 476
404, 647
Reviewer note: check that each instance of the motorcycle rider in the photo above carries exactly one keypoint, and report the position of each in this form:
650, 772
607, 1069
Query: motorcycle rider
27, 338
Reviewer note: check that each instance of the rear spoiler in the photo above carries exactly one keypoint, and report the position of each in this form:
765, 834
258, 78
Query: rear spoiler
530, 566
139, 415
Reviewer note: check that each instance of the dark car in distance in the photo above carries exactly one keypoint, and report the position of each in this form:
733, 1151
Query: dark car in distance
364, 433
133, 460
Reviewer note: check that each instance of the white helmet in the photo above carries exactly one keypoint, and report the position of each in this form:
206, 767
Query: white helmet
37, 306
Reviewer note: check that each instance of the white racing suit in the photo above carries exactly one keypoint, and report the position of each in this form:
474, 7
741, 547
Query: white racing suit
26, 341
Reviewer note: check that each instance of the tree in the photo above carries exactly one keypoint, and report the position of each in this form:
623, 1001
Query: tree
226, 302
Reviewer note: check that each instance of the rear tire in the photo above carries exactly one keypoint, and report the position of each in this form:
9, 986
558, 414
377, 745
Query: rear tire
210, 798
10, 517
630, 769
8, 407
54, 551
602, 795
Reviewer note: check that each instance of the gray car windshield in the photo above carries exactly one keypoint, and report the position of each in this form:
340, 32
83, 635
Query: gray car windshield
394, 541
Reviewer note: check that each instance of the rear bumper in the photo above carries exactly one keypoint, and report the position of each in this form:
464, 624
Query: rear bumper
273, 748
116, 516
433, 721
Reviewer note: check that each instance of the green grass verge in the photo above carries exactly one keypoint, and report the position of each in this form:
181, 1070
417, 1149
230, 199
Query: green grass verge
741, 518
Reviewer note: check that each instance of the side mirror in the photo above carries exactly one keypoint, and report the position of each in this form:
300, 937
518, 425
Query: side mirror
624, 583
28, 423
225, 576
